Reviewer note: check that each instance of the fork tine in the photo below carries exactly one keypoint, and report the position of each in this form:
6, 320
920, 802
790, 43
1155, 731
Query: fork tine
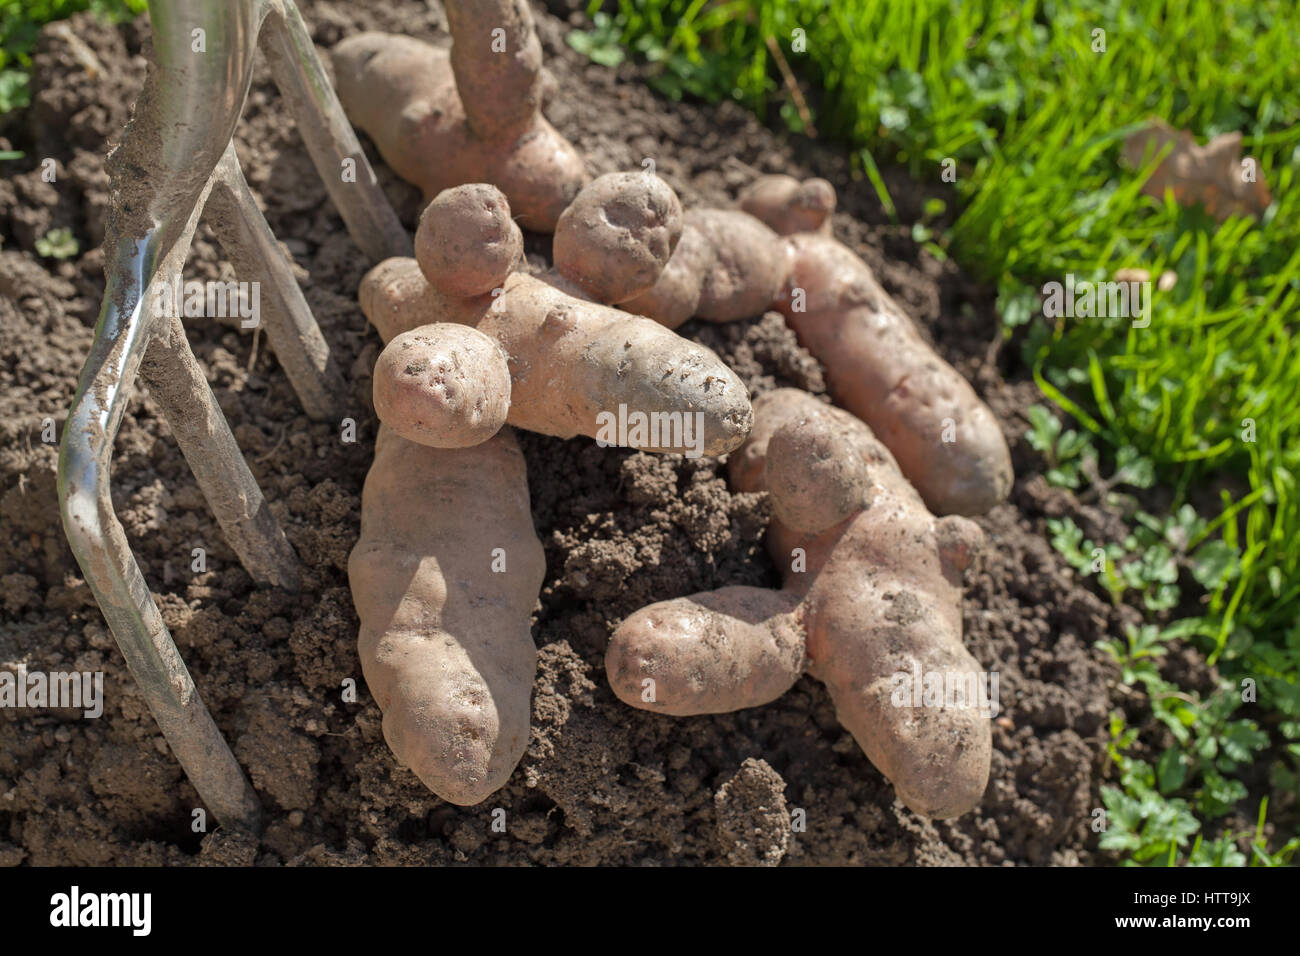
175, 156
293, 333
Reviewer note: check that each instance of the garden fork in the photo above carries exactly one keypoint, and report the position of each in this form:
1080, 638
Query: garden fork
175, 156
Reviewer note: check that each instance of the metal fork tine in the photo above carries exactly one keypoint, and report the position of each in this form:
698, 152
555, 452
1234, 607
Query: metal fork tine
329, 137
290, 327
177, 382
101, 547
175, 156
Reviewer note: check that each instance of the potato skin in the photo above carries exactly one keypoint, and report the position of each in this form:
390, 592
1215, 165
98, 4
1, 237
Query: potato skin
402, 93
882, 606
396, 297
815, 474
787, 205
883, 600
443, 385
501, 91
747, 269
710, 653
878, 367
872, 597
445, 643
572, 361
617, 236
675, 296
467, 242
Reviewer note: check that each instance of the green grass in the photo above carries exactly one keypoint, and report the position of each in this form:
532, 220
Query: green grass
20, 22
1014, 98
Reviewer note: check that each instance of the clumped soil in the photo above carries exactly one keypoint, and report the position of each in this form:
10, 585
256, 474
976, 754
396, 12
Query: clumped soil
601, 783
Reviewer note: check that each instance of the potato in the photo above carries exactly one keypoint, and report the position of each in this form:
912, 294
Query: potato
730, 266
675, 296
403, 94
466, 243
871, 602
788, 205
575, 366
617, 236
816, 473
443, 385
709, 653
748, 266
878, 367
444, 578
396, 297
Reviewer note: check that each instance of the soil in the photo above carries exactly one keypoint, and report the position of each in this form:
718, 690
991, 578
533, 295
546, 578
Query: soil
601, 783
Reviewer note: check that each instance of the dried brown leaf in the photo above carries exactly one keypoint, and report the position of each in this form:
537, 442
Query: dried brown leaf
1214, 175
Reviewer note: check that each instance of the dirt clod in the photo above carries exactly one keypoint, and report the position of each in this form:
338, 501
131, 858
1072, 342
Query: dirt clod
753, 822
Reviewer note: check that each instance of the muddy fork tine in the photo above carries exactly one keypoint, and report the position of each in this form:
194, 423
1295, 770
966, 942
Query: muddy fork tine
173, 157
329, 137
251, 247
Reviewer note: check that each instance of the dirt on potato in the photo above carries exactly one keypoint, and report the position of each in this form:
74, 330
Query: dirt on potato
601, 783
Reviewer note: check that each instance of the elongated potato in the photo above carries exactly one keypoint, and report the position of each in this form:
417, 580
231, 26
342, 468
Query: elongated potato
730, 265
444, 579
404, 94
578, 368
870, 606
945, 439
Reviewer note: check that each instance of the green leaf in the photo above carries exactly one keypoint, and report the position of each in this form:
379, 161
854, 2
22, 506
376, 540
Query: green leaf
1214, 564
1219, 794
1018, 304
1072, 444
1220, 852
1241, 739
57, 244
1171, 770
13, 90
1133, 469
